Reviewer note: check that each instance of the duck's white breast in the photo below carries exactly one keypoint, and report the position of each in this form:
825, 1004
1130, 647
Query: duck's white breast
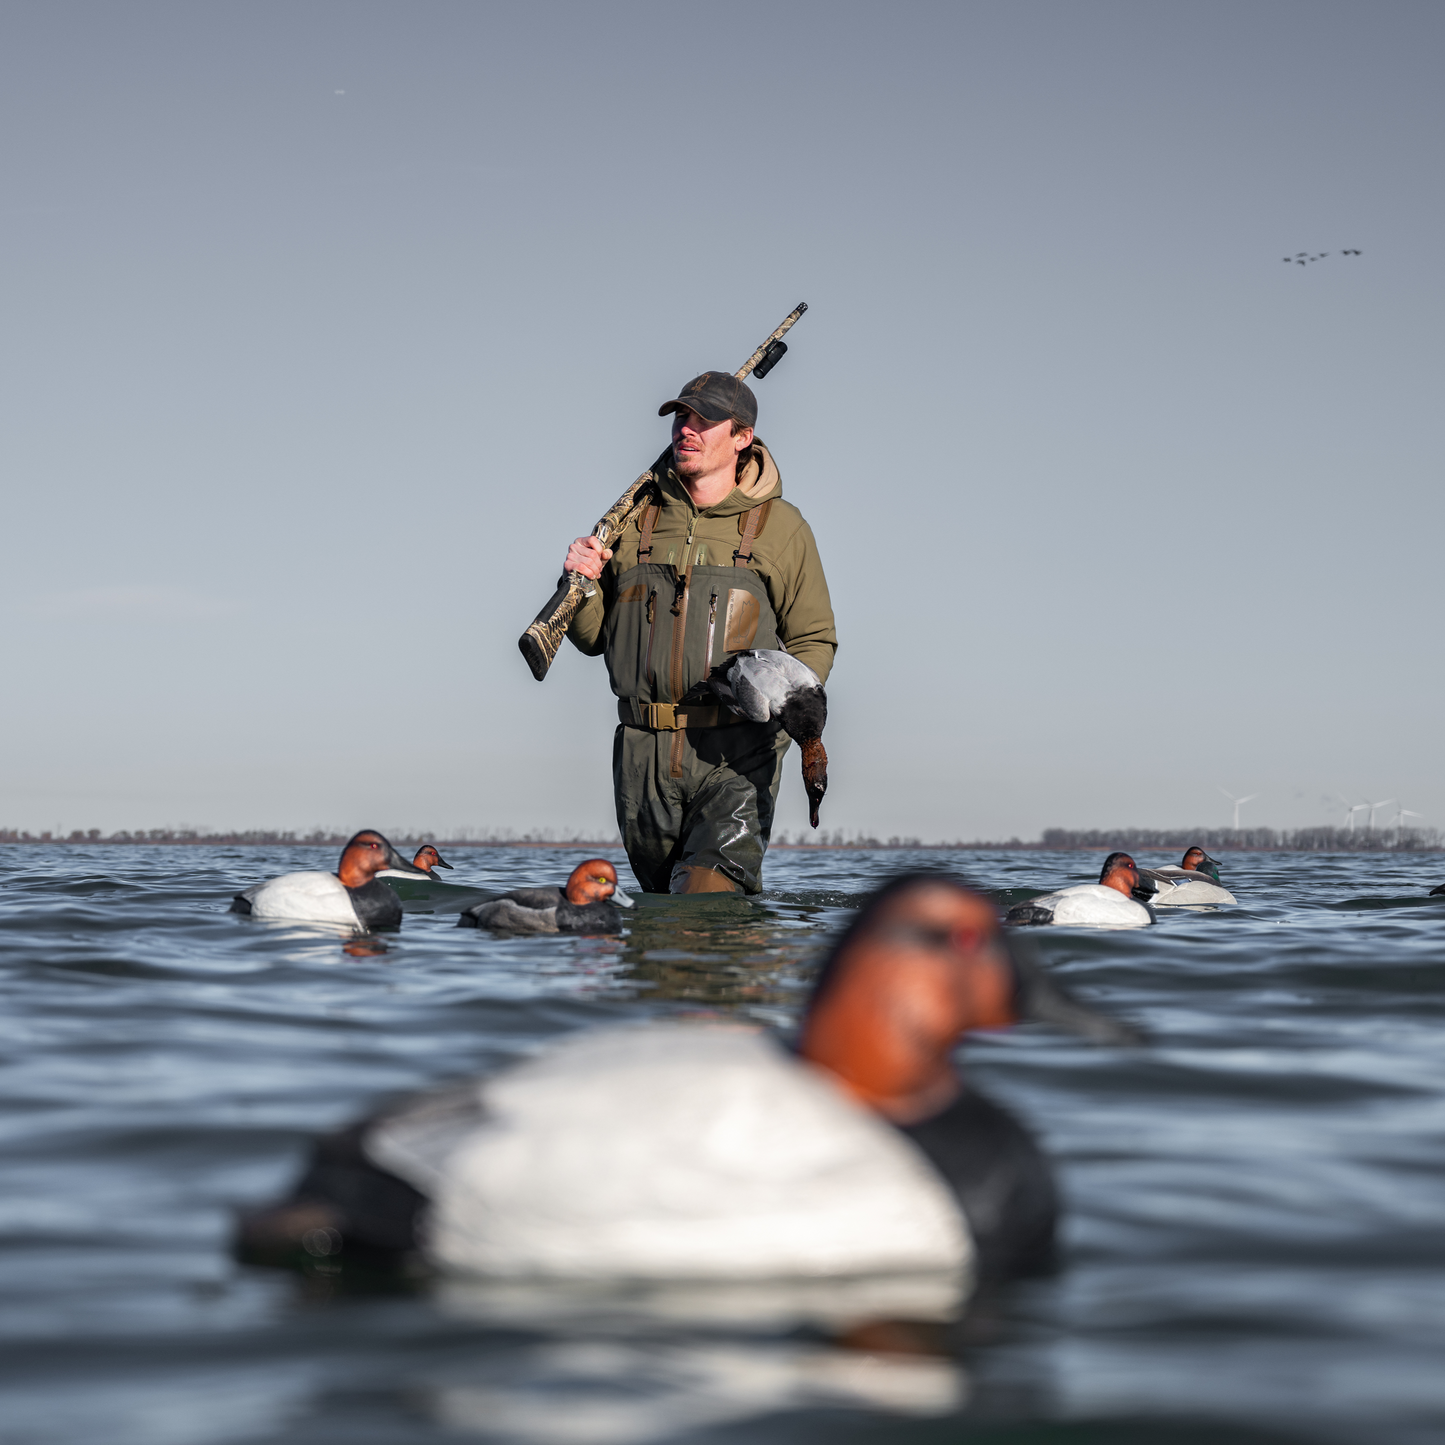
1092, 903
308, 897
673, 1151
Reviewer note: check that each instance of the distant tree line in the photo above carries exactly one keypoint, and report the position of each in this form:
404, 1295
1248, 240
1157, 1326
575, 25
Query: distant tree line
1216, 840
838, 839
317, 838
1263, 840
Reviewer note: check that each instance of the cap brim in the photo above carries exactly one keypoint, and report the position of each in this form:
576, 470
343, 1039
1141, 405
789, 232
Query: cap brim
678, 404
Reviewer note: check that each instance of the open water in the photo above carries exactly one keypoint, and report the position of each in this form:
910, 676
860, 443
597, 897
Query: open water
1255, 1238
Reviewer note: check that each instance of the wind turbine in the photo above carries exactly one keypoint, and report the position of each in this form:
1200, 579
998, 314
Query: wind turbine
1399, 820
1350, 811
1374, 808
1240, 802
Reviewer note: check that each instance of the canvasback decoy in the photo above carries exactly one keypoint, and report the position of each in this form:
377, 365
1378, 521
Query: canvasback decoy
587, 904
427, 859
1115, 901
697, 1149
764, 684
352, 895
1195, 881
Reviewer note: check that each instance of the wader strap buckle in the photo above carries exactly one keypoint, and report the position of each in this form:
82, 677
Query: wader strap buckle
669, 717
753, 522
649, 520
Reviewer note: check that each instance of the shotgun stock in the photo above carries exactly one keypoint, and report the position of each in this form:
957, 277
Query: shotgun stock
540, 642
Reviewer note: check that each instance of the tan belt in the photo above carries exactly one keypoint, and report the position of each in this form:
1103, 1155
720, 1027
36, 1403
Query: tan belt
670, 717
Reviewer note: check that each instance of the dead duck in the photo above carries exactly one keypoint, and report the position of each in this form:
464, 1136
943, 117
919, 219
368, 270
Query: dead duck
352, 895
587, 904
765, 685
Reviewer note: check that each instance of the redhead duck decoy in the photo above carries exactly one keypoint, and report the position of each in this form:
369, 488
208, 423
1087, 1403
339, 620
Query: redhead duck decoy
588, 904
1195, 881
762, 685
427, 859
1117, 900
687, 1149
351, 896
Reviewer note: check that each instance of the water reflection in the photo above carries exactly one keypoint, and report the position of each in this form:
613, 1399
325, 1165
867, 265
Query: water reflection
629, 1392
722, 950
364, 946
609, 1366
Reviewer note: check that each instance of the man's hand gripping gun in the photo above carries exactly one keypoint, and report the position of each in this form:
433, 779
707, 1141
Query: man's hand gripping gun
539, 643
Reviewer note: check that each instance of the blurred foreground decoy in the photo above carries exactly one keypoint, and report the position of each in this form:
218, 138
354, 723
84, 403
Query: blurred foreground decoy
351, 896
704, 1150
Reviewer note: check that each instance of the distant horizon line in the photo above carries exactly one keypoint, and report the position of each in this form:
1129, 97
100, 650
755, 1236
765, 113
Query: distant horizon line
1323, 839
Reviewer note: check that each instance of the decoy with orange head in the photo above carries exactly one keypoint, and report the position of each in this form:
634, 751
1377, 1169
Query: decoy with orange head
698, 1149
588, 903
1120, 899
427, 859
352, 896
1195, 882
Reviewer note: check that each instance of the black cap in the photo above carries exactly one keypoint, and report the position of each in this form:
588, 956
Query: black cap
716, 396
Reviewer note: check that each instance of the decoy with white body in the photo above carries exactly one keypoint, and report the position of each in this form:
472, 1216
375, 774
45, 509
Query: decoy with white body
1195, 882
351, 896
698, 1150
587, 904
1117, 900
765, 685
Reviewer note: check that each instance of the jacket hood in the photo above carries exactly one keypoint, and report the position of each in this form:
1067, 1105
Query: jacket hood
758, 481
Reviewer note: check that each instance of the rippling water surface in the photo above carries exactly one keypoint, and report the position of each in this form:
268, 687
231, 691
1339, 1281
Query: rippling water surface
1255, 1238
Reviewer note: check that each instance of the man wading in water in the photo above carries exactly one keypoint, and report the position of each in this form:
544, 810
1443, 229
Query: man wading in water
714, 563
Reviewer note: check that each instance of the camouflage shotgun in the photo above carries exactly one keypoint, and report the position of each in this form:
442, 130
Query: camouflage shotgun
539, 643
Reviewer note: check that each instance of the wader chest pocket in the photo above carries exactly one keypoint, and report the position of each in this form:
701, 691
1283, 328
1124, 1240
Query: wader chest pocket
661, 640
743, 613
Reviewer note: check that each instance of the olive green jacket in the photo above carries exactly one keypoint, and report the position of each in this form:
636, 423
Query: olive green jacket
784, 557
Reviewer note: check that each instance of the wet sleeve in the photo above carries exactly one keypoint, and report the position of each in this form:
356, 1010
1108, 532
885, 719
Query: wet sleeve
803, 607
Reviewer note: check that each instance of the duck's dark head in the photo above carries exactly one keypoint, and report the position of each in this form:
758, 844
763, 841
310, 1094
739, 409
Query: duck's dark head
1196, 860
427, 857
926, 960
803, 717
815, 775
366, 855
595, 881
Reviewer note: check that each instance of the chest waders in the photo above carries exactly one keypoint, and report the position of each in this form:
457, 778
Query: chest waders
695, 786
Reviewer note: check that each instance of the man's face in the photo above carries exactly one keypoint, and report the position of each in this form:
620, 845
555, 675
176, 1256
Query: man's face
701, 447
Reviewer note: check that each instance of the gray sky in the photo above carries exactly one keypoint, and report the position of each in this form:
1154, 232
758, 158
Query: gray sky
326, 326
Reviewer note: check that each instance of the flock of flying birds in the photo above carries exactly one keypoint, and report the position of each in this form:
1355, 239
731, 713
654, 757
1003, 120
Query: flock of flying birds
1303, 258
